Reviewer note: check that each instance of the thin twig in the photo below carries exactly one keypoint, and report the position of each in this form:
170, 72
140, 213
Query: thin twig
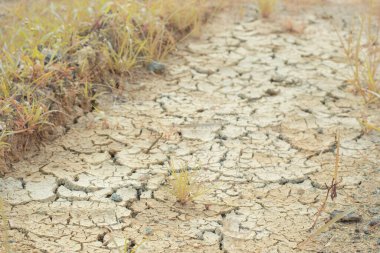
332, 189
322, 208
325, 227
154, 143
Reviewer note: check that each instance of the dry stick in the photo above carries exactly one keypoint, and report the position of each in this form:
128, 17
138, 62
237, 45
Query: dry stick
154, 143
331, 190
337, 160
372, 92
322, 208
325, 227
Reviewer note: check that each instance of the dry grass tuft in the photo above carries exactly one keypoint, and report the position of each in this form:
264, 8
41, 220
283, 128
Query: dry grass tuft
57, 57
183, 185
362, 51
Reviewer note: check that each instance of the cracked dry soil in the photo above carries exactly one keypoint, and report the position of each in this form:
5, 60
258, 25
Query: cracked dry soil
256, 107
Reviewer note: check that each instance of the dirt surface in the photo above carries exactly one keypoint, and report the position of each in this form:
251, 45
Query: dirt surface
253, 109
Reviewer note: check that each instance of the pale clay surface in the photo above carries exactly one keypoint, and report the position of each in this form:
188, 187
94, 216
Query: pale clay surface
254, 109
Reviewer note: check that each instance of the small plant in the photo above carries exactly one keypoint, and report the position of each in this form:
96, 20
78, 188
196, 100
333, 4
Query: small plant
30, 117
158, 42
89, 96
362, 51
182, 183
130, 248
266, 7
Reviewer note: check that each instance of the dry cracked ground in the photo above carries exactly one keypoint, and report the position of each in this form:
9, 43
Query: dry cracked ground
253, 110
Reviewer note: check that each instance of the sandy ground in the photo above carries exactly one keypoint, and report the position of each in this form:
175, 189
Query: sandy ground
253, 109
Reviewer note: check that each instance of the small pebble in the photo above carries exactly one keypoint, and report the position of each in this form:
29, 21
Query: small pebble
374, 222
272, 92
156, 67
351, 217
148, 231
277, 78
115, 197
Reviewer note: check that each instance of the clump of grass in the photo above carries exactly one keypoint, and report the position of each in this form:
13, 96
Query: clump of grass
183, 185
128, 248
184, 14
362, 52
54, 54
266, 7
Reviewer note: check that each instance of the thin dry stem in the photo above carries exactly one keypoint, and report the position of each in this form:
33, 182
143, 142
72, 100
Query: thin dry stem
332, 188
